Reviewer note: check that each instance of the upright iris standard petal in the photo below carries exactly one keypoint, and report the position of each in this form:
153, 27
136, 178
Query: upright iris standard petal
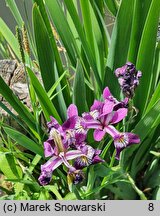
108, 107
107, 94
119, 115
49, 148
72, 111
53, 124
117, 104
97, 105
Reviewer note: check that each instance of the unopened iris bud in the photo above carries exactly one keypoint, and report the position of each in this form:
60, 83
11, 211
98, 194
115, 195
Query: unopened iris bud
128, 78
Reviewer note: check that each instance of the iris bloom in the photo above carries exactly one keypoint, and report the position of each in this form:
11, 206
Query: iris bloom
103, 116
58, 147
60, 155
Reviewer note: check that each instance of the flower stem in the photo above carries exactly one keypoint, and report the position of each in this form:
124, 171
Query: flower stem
138, 191
130, 115
112, 159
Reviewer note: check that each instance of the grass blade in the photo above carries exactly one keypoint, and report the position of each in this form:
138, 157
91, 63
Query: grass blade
44, 49
146, 54
24, 141
10, 38
14, 9
46, 104
79, 90
17, 105
59, 65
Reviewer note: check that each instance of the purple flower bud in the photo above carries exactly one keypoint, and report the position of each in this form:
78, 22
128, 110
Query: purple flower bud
128, 78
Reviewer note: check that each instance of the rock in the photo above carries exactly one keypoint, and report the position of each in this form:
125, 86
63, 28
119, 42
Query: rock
14, 75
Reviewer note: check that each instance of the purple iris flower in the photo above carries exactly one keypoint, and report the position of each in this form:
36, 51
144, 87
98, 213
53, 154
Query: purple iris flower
128, 78
60, 155
58, 147
101, 119
103, 116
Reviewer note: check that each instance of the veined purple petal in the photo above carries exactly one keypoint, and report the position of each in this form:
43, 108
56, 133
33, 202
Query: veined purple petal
124, 140
48, 148
70, 123
121, 104
108, 107
80, 138
119, 115
72, 111
106, 93
90, 152
106, 119
53, 123
112, 131
133, 138
91, 115
51, 164
99, 134
120, 142
97, 159
75, 177
97, 105
98, 151
94, 124
91, 157
87, 116
72, 154
62, 155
